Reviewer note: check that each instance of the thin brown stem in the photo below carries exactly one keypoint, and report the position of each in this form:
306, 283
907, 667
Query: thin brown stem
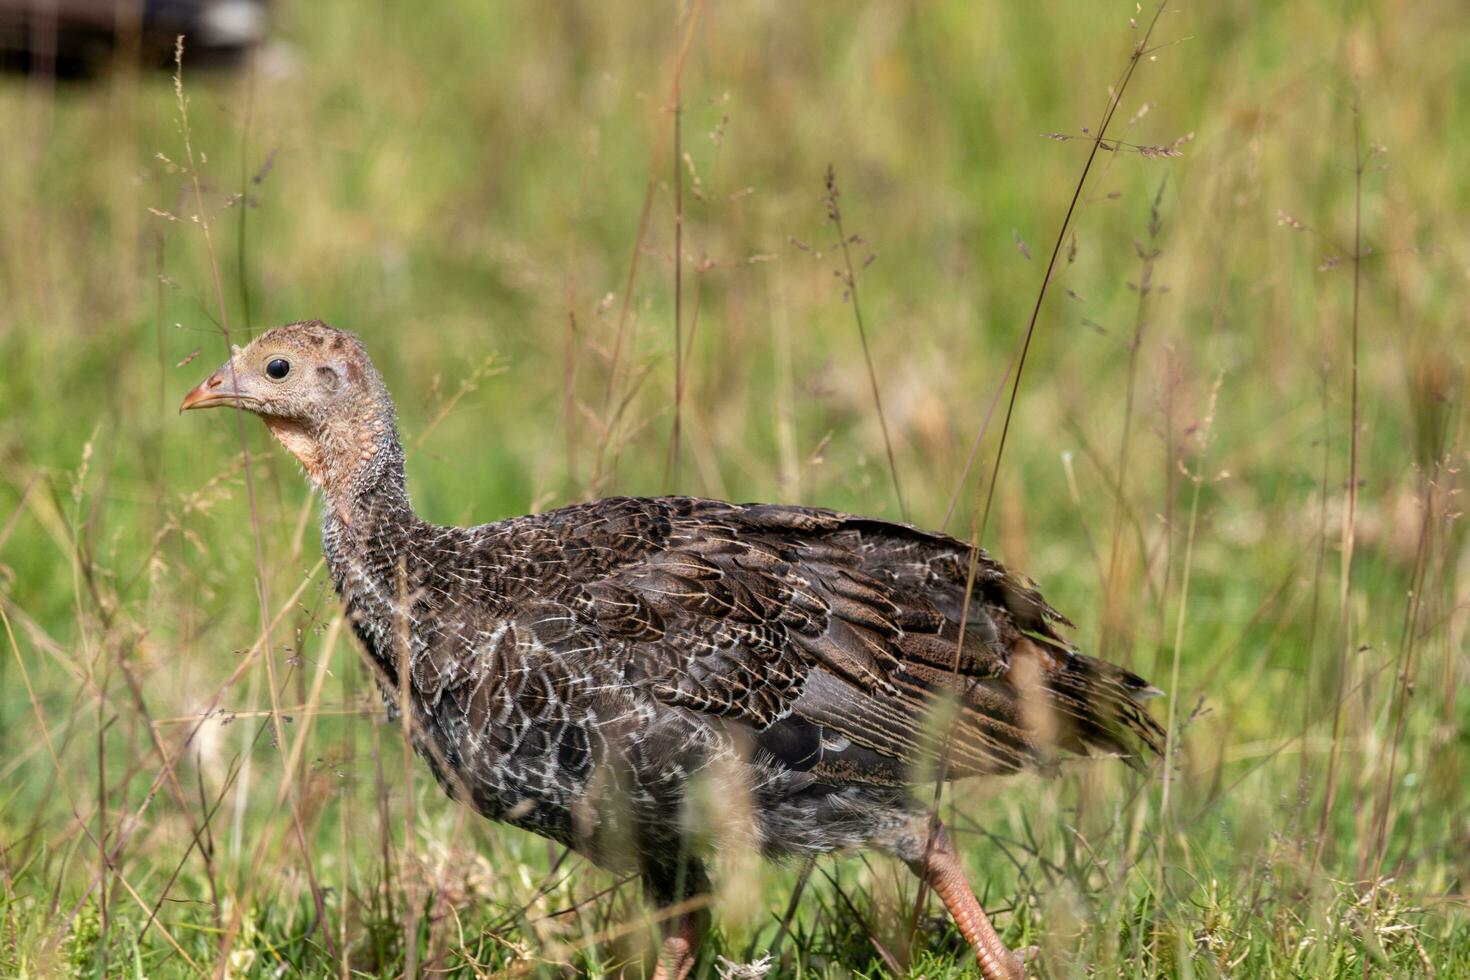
1113, 587
978, 535
262, 593
1097, 143
619, 339
672, 477
1350, 517
849, 280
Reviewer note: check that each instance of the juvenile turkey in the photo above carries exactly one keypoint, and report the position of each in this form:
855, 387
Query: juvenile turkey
576, 672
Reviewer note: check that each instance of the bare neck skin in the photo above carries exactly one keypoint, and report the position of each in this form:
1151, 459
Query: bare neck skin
354, 457
356, 460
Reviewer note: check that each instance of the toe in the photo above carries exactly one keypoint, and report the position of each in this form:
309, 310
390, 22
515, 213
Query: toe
1021, 957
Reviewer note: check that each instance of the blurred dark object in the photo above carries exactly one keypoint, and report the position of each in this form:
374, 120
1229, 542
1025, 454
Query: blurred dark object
77, 38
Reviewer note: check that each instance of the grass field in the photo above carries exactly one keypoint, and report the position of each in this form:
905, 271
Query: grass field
1234, 459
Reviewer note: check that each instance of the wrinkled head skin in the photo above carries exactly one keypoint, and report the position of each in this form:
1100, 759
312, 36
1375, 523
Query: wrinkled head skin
318, 393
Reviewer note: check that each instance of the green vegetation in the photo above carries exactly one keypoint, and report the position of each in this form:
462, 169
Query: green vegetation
466, 186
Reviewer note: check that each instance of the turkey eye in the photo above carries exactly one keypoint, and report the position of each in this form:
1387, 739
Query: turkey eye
277, 369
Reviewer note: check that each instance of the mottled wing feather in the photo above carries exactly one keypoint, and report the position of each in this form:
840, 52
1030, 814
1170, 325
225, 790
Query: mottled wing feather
832, 638
807, 625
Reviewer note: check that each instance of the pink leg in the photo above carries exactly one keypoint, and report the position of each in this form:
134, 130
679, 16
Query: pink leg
940, 867
680, 946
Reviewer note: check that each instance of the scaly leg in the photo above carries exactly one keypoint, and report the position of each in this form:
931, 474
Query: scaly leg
680, 946
681, 882
940, 868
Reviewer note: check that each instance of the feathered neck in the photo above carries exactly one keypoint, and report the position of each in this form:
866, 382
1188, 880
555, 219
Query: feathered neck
368, 522
374, 489
373, 543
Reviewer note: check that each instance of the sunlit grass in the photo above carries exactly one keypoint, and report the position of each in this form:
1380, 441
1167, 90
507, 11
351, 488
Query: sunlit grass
464, 182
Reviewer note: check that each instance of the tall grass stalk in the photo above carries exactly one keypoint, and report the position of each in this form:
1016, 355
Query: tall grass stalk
675, 435
1350, 513
848, 275
201, 217
1116, 92
610, 410
1113, 614
977, 538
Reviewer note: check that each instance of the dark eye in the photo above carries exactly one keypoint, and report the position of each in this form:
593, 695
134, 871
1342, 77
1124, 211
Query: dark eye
277, 369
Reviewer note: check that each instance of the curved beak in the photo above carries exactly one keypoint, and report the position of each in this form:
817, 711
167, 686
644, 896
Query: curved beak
213, 391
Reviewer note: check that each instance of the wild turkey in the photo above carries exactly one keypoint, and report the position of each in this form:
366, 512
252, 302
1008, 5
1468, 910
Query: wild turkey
575, 672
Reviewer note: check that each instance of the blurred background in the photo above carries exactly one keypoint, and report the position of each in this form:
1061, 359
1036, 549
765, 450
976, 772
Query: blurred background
1234, 460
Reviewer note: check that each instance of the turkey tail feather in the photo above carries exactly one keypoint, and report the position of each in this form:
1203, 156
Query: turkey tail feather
1092, 704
